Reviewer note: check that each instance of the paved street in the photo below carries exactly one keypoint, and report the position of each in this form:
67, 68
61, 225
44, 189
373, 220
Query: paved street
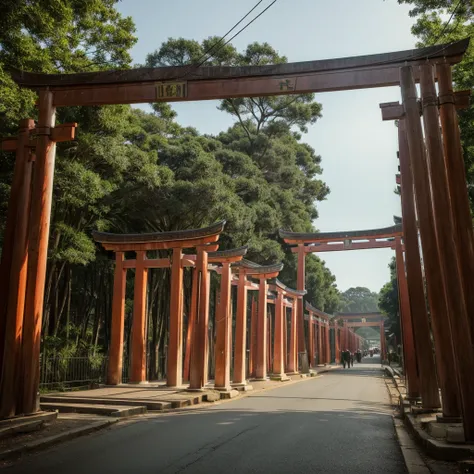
337, 423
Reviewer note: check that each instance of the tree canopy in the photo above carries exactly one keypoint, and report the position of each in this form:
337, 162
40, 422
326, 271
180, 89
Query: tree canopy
135, 171
359, 300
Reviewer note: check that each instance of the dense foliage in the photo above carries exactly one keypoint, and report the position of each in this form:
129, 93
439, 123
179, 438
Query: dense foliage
388, 301
360, 300
132, 171
432, 27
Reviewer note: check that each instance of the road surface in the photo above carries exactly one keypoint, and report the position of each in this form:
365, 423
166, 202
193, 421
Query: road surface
337, 423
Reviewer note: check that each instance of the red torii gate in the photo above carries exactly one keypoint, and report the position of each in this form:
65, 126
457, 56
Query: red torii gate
443, 208
365, 319
388, 237
280, 364
319, 327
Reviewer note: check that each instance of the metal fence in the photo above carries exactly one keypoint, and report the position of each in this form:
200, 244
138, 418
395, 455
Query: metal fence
69, 372
65, 373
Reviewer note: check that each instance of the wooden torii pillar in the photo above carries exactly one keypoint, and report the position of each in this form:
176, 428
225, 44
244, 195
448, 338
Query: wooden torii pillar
409, 350
253, 338
24, 257
262, 273
141, 243
445, 374
441, 204
430, 167
436, 283
322, 357
224, 317
311, 338
337, 343
293, 349
324, 348
279, 352
320, 342
263, 276
328, 344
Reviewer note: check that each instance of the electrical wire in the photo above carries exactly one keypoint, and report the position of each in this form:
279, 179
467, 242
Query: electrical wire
198, 65
223, 37
447, 24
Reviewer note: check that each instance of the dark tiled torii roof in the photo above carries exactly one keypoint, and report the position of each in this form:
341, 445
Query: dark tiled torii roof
351, 234
311, 308
252, 268
174, 235
175, 73
237, 252
360, 314
281, 285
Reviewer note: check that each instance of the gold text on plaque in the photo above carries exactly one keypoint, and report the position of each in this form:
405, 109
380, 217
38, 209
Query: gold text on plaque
171, 90
287, 85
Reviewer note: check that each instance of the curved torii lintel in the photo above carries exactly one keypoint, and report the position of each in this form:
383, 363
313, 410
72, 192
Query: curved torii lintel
205, 83
160, 240
287, 291
309, 307
229, 256
364, 315
323, 237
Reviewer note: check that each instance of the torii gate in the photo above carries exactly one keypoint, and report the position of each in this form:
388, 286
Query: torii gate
319, 335
365, 319
443, 208
388, 237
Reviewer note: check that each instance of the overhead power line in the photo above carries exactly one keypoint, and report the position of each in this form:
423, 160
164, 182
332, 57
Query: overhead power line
449, 21
202, 61
230, 31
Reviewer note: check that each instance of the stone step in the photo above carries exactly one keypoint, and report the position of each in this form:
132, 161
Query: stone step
118, 411
18, 420
20, 428
150, 405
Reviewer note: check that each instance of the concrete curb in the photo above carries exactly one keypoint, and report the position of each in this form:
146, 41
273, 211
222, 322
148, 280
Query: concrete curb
55, 439
434, 448
413, 461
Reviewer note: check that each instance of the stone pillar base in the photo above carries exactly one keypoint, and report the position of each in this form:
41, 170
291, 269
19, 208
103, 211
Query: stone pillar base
177, 387
242, 386
413, 399
228, 394
417, 410
448, 419
261, 379
280, 377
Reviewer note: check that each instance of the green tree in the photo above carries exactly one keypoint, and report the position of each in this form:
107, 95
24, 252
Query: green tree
69, 36
388, 300
358, 300
273, 173
132, 171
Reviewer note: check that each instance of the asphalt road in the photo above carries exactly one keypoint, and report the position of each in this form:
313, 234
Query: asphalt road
337, 423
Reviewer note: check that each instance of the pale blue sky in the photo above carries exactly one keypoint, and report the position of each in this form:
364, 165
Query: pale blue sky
358, 150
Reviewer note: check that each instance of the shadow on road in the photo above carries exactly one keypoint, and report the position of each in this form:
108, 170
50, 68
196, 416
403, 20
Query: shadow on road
361, 402
260, 439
